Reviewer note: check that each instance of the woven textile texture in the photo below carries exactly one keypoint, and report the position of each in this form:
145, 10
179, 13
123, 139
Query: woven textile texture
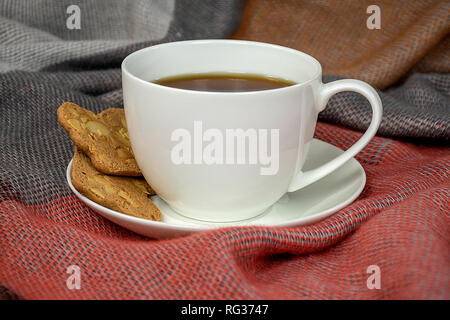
336, 33
400, 222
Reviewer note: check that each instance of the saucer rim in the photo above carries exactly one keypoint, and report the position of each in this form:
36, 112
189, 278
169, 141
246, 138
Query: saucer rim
310, 219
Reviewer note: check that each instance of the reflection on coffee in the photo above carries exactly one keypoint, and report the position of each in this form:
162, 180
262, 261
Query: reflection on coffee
224, 82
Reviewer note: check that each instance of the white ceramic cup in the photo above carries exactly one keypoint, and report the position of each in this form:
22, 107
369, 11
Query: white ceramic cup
229, 192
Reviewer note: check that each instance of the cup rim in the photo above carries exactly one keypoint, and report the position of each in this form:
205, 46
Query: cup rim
142, 51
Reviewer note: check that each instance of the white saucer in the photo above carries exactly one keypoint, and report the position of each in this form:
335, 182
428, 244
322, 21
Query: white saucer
305, 206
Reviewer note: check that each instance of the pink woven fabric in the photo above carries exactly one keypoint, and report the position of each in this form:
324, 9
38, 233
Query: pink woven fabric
400, 223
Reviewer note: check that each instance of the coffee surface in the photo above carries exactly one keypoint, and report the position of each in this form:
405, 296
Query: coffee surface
224, 82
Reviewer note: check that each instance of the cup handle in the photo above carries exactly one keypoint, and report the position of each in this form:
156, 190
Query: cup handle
302, 179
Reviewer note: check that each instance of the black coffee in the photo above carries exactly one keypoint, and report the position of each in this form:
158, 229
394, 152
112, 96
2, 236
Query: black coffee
224, 82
